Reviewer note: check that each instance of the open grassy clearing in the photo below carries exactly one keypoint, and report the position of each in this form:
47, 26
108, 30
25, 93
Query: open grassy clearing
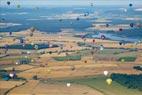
100, 84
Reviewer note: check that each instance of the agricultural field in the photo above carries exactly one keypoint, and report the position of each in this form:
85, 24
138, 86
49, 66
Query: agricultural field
70, 47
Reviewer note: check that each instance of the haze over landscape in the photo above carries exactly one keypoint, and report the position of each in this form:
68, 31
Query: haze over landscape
70, 47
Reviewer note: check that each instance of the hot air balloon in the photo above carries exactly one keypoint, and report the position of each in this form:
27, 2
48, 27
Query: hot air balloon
109, 81
36, 47
101, 48
131, 24
120, 29
120, 43
68, 84
17, 63
105, 73
50, 52
103, 37
93, 40
77, 19
130, 5
107, 25
32, 60
8, 3
10, 33
21, 41
72, 68
86, 14
6, 47
85, 61
122, 60
11, 75
32, 43
49, 70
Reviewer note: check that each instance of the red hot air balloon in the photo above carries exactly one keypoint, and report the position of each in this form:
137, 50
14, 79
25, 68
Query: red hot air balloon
93, 40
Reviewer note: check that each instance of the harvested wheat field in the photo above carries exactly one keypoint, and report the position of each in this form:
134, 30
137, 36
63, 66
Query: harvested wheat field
53, 88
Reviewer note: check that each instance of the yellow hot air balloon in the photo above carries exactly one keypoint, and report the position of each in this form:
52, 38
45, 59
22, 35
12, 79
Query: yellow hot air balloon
48, 71
32, 60
122, 60
109, 81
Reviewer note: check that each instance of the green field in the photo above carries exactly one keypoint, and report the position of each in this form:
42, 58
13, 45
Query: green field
99, 83
66, 58
127, 58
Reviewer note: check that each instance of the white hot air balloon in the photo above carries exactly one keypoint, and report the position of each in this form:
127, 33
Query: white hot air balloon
68, 84
105, 73
125, 10
16, 63
32, 43
26, 56
28, 52
101, 48
11, 75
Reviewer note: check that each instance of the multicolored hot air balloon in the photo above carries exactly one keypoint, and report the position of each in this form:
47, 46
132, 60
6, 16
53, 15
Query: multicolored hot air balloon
36, 47
21, 41
103, 37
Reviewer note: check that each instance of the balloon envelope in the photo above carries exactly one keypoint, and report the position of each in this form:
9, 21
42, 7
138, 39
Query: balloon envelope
105, 73
11, 75
131, 25
130, 5
36, 46
68, 84
8, 2
109, 81
103, 37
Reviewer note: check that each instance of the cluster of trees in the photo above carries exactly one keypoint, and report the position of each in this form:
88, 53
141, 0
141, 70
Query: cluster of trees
138, 68
5, 75
129, 81
24, 60
69, 57
127, 59
28, 46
